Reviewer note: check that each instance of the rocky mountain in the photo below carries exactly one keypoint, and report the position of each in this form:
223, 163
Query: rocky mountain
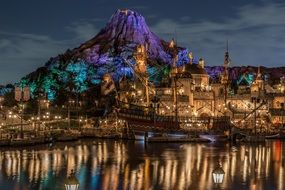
272, 75
82, 68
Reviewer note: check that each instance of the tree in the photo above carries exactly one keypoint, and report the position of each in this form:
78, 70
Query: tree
9, 99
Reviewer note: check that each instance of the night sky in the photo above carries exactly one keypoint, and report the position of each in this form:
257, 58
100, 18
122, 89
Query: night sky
33, 31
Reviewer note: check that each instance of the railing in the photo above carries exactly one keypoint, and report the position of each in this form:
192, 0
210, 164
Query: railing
168, 98
257, 107
204, 95
239, 97
151, 116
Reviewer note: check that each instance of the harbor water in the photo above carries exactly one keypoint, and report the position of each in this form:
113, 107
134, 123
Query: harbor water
110, 164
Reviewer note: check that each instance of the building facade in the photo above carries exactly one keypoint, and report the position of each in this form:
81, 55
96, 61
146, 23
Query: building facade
188, 91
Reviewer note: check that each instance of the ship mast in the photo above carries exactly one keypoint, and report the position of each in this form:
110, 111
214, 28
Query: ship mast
225, 76
141, 69
174, 77
175, 101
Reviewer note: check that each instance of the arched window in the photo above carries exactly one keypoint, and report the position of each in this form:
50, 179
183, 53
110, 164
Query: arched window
278, 104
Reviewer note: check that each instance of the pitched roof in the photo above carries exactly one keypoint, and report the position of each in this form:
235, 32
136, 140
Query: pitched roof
195, 69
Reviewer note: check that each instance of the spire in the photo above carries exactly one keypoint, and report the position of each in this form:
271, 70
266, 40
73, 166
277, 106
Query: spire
172, 43
190, 56
259, 76
225, 75
258, 72
227, 57
173, 51
257, 86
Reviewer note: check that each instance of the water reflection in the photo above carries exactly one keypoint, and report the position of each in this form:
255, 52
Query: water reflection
132, 165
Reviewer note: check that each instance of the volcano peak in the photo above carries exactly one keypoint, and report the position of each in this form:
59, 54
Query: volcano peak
125, 30
126, 11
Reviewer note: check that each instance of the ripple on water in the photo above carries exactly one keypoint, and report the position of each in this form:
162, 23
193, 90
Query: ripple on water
126, 165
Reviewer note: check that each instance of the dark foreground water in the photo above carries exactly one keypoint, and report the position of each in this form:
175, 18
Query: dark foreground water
107, 164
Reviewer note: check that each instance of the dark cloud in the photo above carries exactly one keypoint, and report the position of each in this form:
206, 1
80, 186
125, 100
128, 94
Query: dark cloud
21, 53
83, 31
255, 35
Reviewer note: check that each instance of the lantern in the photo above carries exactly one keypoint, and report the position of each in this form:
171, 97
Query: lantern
218, 174
71, 182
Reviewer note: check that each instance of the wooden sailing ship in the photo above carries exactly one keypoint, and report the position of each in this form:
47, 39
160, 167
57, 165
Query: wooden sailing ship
145, 114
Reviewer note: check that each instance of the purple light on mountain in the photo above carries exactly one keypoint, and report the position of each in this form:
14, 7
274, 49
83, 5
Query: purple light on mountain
125, 30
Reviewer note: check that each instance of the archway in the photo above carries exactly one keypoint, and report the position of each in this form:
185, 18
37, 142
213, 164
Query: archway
204, 114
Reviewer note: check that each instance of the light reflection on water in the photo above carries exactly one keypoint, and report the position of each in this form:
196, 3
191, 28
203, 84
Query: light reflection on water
109, 164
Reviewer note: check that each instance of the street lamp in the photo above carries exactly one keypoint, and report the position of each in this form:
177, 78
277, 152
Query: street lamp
71, 182
218, 174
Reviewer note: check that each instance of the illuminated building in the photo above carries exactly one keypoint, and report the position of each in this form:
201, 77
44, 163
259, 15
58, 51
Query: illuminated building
188, 91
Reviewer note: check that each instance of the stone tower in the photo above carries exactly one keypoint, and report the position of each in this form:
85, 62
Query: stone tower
257, 87
141, 59
141, 75
201, 63
225, 74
